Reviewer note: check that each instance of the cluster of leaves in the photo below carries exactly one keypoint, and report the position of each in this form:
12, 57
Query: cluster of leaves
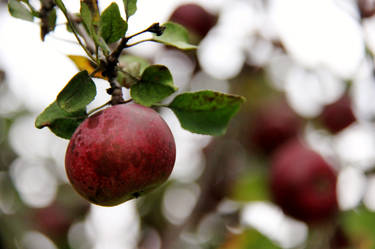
204, 112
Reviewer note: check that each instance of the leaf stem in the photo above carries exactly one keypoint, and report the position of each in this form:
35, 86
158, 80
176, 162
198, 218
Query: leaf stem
154, 28
138, 42
75, 32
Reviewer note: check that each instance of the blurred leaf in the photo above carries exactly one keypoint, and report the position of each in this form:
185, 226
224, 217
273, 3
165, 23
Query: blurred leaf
156, 84
87, 18
133, 64
19, 10
84, 63
88, 21
60, 122
132, 68
61, 6
78, 93
112, 27
250, 239
93, 7
130, 7
251, 186
206, 112
359, 226
175, 35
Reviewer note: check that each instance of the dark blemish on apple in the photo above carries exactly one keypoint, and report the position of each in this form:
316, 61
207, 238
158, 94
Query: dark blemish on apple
73, 146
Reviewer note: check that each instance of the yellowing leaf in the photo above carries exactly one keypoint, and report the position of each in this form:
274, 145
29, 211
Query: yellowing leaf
84, 63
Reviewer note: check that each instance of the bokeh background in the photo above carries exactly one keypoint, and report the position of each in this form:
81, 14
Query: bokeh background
298, 56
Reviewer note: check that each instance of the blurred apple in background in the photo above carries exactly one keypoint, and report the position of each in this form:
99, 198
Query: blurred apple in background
366, 8
195, 18
55, 219
274, 123
338, 115
303, 184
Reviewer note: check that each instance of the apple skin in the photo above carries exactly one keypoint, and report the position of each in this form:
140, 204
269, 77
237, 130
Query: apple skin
274, 123
119, 153
303, 184
195, 18
338, 115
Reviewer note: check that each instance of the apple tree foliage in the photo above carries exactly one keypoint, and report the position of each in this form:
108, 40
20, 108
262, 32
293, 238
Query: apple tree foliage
203, 112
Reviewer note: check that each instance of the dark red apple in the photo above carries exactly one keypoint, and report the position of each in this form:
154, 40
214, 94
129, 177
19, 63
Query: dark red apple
338, 115
273, 124
366, 8
195, 18
119, 153
53, 220
303, 184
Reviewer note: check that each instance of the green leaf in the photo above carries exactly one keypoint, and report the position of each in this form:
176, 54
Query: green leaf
125, 79
130, 7
88, 22
60, 122
61, 6
359, 222
133, 64
87, 18
206, 112
78, 93
155, 85
93, 7
251, 185
19, 10
112, 27
175, 35
132, 68
254, 239
249, 239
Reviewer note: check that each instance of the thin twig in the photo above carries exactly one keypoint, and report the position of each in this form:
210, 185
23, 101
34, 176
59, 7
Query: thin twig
138, 42
75, 32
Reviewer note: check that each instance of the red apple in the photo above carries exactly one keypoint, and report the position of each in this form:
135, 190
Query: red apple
366, 8
273, 124
195, 18
119, 153
303, 184
53, 220
338, 115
